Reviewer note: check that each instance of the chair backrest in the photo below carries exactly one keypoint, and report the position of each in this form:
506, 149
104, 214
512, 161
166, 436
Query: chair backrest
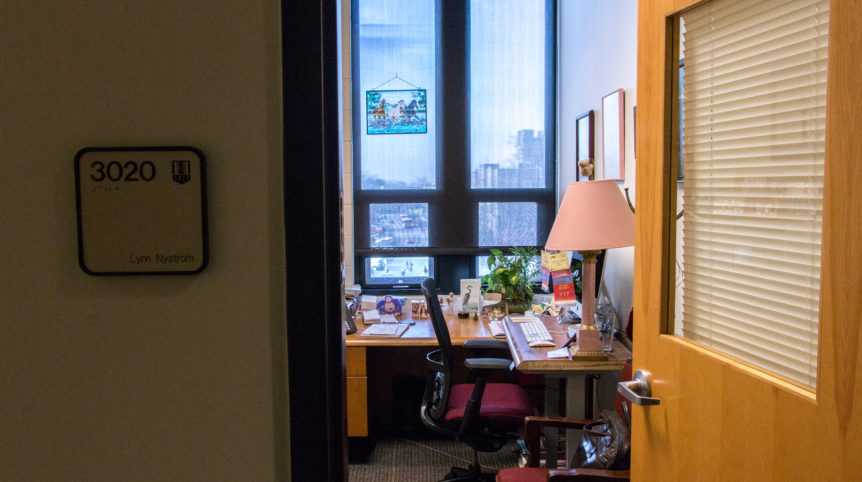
439, 361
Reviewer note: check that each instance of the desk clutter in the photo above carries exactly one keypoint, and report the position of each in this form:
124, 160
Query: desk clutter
382, 309
381, 314
390, 329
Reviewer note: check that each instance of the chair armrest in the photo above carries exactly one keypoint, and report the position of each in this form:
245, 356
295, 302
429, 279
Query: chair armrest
487, 345
587, 475
533, 427
488, 363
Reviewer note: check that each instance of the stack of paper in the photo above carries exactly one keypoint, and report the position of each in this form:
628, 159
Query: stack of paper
393, 330
496, 328
351, 291
368, 302
371, 316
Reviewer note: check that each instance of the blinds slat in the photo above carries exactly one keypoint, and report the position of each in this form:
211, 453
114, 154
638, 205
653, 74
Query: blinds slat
727, 141
799, 74
764, 312
804, 25
770, 211
719, 267
787, 127
776, 108
758, 226
788, 352
777, 336
720, 23
803, 254
731, 277
760, 155
794, 350
789, 248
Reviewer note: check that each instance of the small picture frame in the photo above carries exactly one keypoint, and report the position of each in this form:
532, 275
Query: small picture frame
418, 308
584, 145
396, 111
613, 135
471, 295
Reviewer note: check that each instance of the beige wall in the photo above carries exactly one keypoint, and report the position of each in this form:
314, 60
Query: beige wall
141, 377
346, 133
597, 54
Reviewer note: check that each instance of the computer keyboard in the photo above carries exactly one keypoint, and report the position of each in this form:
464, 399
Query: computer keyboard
535, 330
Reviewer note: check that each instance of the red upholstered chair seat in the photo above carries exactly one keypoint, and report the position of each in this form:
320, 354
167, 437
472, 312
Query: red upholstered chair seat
503, 404
523, 474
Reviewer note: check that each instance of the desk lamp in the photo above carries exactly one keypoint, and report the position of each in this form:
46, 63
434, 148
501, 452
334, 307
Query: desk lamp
593, 216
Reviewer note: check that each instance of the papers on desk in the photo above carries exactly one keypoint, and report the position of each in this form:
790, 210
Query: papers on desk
368, 302
496, 328
388, 329
370, 316
560, 353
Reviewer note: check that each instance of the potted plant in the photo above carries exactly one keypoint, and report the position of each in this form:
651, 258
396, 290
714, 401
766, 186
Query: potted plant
511, 275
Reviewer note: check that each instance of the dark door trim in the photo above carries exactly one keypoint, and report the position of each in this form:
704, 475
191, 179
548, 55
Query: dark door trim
315, 336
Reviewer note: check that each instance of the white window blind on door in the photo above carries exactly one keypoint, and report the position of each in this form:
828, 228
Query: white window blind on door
754, 105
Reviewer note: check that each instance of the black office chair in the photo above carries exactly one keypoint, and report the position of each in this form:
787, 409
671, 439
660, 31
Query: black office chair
483, 415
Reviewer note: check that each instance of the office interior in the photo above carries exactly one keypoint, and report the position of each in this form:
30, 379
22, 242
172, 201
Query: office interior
234, 373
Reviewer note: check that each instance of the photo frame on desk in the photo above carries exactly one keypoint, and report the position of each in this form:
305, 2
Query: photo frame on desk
471, 295
584, 143
613, 136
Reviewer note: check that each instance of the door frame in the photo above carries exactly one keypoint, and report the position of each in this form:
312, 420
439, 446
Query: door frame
312, 217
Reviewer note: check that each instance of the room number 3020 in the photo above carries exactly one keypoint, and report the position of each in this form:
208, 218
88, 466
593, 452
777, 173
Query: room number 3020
130, 171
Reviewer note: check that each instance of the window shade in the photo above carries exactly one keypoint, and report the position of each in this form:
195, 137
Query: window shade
754, 106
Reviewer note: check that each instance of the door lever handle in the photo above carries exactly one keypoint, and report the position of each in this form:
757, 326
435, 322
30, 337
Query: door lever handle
638, 390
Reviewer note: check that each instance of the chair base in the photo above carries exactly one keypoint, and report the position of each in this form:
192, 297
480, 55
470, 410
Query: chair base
472, 473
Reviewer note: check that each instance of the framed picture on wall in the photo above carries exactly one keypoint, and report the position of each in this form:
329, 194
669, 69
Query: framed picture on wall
584, 146
613, 135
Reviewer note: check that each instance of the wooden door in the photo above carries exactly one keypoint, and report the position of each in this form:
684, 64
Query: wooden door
719, 419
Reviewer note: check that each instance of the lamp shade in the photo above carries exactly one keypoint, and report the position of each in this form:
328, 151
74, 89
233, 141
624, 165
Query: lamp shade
593, 216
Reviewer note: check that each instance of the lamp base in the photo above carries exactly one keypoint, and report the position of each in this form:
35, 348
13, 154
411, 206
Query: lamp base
588, 355
588, 345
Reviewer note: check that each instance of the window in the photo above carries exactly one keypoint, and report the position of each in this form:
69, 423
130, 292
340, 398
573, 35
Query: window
752, 137
470, 166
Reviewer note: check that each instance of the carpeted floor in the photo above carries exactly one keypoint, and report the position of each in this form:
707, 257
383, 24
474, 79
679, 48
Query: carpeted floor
422, 460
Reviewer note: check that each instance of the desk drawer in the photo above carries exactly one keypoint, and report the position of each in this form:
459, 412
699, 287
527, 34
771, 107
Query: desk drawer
357, 408
357, 392
356, 361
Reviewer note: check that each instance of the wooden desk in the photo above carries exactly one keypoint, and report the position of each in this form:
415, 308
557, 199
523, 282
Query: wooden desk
535, 360
419, 334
